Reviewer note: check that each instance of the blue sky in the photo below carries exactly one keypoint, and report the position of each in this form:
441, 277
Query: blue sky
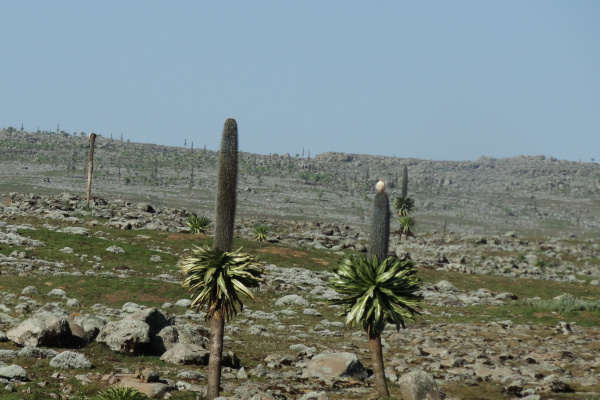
443, 80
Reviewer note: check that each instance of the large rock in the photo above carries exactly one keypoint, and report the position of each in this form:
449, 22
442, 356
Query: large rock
419, 385
43, 329
169, 336
186, 354
91, 325
231, 360
6, 354
155, 390
36, 352
127, 336
70, 360
154, 318
335, 365
13, 372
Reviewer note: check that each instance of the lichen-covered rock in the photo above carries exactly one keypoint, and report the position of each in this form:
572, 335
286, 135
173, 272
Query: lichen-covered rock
70, 360
171, 335
186, 354
154, 318
292, 299
43, 329
127, 336
36, 352
419, 385
30, 290
334, 365
14, 372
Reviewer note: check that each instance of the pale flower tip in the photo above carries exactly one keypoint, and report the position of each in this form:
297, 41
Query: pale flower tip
380, 186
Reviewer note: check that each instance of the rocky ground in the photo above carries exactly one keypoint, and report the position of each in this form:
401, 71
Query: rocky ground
495, 239
320, 357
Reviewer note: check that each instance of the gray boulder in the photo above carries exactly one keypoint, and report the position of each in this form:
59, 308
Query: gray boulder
91, 324
154, 318
36, 352
13, 372
70, 360
171, 335
43, 329
6, 319
292, 299
186, 354
30, 290
57, 293
314, 396
127, 336
6, 355
419, 385
154, 390
230, 360
335, 365
186, 303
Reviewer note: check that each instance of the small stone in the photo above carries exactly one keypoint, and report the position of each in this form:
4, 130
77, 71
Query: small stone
186, 303
115, 250
30, 290
312, 312
73, 303
189, 374
14, 372
259, 371
242, 374
57, 293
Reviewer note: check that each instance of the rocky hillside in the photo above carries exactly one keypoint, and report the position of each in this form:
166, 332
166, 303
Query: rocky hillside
526, 194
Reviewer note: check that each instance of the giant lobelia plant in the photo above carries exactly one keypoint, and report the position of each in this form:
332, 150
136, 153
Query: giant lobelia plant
376, 289
218, 275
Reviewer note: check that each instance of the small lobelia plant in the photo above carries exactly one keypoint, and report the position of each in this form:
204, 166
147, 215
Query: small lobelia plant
261, 232
198, 224
407, 225
121, 393
404, 205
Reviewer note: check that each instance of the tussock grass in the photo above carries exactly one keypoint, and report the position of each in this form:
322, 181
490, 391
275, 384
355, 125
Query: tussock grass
565, 303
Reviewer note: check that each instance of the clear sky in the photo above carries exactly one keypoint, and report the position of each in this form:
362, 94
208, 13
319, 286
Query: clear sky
442, 80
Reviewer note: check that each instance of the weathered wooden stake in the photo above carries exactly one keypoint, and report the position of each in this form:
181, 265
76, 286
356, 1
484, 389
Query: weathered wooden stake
90, 168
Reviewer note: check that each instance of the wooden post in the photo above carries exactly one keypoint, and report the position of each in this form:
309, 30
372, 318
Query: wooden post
90, 168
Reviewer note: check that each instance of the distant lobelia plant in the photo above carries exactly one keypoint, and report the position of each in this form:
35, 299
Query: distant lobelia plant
404, 206
377, 289
407, 225
217, 275
261, 232
90, 168
198, 224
